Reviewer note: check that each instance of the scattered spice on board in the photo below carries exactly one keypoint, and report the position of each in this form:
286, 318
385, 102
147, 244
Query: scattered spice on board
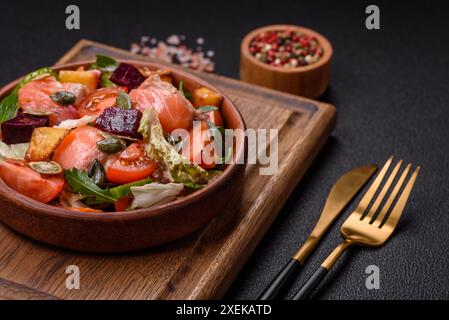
286, 48
175, 50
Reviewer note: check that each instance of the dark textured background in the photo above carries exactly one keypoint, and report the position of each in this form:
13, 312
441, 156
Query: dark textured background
390, 88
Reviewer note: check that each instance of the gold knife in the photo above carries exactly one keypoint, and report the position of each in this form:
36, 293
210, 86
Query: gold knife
339, 196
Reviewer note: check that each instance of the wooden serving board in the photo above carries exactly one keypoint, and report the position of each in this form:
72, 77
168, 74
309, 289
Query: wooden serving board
203, 265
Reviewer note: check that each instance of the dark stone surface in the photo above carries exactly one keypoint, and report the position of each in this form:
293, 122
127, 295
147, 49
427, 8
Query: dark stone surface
391, 91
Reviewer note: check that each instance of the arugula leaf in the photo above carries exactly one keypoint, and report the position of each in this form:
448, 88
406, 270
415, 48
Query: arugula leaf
9, 105
207, 109
80, 182
184, 92
104, 63
125, 189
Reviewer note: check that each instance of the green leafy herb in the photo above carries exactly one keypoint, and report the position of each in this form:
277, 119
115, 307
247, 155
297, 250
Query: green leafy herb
125, 189
207, 109
184, 92
80, 182
111, 143
123, 100
193, 185
63, 97
9, 105
104, 80
104, 63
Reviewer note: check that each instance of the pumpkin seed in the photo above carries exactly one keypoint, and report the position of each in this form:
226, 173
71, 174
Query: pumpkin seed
63, 97
111, 143
46, 167
97, 173
123, 101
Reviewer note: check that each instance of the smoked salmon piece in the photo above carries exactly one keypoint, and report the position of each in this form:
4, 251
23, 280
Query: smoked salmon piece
34, 98
173, 109
79, 149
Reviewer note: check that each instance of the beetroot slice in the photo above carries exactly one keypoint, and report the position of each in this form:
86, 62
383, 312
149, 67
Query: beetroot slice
20, 128
127, 75
122, 122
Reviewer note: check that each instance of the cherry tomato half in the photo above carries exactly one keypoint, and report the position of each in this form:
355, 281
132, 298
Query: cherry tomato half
131, 165
19, 176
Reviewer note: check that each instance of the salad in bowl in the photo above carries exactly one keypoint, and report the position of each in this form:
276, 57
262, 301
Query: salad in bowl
101, 139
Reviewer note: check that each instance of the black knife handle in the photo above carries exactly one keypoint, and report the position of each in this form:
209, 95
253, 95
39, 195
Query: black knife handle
311, 284
279, 282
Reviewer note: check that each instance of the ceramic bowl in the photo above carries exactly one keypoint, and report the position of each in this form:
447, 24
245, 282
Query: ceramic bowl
132, 230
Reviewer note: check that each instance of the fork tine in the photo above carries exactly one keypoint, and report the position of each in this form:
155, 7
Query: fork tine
372, 211
402, 201
368, 196
393, 195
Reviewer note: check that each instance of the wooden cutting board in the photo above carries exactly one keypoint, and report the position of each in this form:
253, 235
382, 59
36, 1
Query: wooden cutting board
203, 265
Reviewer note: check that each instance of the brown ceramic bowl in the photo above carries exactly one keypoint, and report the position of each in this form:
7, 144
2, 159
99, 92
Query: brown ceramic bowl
133, 230
309, 81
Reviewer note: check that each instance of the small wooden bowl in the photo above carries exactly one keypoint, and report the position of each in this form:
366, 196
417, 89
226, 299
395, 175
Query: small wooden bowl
137, 229
309, 81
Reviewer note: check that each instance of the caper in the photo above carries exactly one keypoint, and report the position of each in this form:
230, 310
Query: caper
46, 167
63, 97
111, 144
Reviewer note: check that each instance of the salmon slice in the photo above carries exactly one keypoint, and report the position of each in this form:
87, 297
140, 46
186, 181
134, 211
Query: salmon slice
79, 149
34, 98
78, 89
173, 109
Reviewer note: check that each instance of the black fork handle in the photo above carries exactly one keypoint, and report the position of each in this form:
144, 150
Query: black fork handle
275, 288
311, 284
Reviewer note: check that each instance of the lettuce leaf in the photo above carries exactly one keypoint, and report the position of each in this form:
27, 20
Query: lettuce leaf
157, 148
154, 193
74, 123
13, 151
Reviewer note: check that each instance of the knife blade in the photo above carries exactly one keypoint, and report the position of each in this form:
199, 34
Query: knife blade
340, 195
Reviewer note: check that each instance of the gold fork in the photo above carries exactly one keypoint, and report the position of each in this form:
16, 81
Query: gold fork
365, 228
